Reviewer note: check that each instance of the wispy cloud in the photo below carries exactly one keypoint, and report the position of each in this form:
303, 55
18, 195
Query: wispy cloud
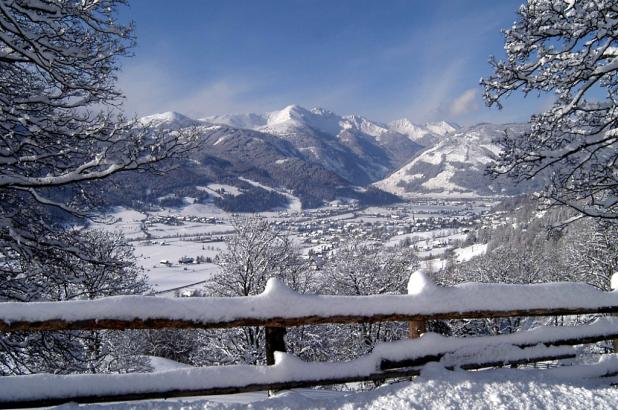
149, 90
428, 101
464, 103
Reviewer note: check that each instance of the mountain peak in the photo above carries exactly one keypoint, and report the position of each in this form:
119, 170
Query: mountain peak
169, 119
416, 133
442, 127
292, 112
402, 122
323, 112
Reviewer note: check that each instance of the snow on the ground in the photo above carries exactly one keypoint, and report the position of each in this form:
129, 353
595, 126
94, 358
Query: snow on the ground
124, 220
187, 229
494, 389
432, 252
207, 209
433, 265
295, 205
437, 234
469, 252
227, 189
162, 276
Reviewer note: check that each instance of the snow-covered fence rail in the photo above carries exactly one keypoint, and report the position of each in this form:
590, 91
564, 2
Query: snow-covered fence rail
386, 361
279, 307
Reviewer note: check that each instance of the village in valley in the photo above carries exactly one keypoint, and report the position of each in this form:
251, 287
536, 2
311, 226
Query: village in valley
178, 248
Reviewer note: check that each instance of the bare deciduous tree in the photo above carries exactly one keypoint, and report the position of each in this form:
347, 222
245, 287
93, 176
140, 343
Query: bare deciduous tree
258, 251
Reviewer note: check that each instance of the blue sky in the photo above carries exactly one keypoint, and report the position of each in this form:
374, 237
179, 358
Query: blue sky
382, 59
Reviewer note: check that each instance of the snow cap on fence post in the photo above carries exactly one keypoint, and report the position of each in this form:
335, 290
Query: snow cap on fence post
419, 283
276, 287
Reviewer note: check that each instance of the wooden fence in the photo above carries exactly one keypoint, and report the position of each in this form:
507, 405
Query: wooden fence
535, 346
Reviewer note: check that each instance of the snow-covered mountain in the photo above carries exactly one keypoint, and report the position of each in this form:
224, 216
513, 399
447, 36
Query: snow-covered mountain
319, 155
455, 166
442, 127
169, 120
358, 149
426, 135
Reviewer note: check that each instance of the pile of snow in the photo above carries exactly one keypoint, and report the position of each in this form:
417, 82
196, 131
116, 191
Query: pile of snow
419, 283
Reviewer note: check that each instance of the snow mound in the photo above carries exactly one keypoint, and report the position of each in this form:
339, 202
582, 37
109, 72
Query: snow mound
419, 283
275, 288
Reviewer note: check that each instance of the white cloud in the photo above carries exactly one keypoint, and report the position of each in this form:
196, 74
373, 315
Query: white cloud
464, 103
150, 89
429, 97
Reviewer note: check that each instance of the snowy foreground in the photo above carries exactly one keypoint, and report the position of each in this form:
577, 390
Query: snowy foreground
436, 388
289, 368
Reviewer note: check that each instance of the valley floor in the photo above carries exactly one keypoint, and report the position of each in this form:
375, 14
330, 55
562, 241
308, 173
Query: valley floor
162, 238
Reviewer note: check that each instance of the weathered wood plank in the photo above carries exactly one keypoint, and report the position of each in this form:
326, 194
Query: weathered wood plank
275, 342
100, 324
416, 328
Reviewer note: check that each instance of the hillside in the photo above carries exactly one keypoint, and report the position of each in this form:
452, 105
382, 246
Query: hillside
455, 166
315, 156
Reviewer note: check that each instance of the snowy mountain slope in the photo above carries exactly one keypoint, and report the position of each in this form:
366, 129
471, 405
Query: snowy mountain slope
318, 155
356, 148
170, 120
455, 166
249, 121
427, 135
282, 174
442, 127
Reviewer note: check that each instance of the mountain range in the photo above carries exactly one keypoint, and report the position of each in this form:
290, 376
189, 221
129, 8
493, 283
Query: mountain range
317, 156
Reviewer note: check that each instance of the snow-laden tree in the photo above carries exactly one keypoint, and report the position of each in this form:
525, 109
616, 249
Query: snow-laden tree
58, 135
58, 63
358, 268
512, 262
570, 49
591, 252
70, 278
257, 251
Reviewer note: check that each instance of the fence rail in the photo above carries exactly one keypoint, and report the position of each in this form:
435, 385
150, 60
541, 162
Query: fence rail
429, 303
121, 324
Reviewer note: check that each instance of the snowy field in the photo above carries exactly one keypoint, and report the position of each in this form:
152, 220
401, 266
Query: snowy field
163, 277
430, 245
167, 244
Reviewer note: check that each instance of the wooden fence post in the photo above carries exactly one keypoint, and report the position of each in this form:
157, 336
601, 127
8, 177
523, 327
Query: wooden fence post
613, 285
275, 342
416, 328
